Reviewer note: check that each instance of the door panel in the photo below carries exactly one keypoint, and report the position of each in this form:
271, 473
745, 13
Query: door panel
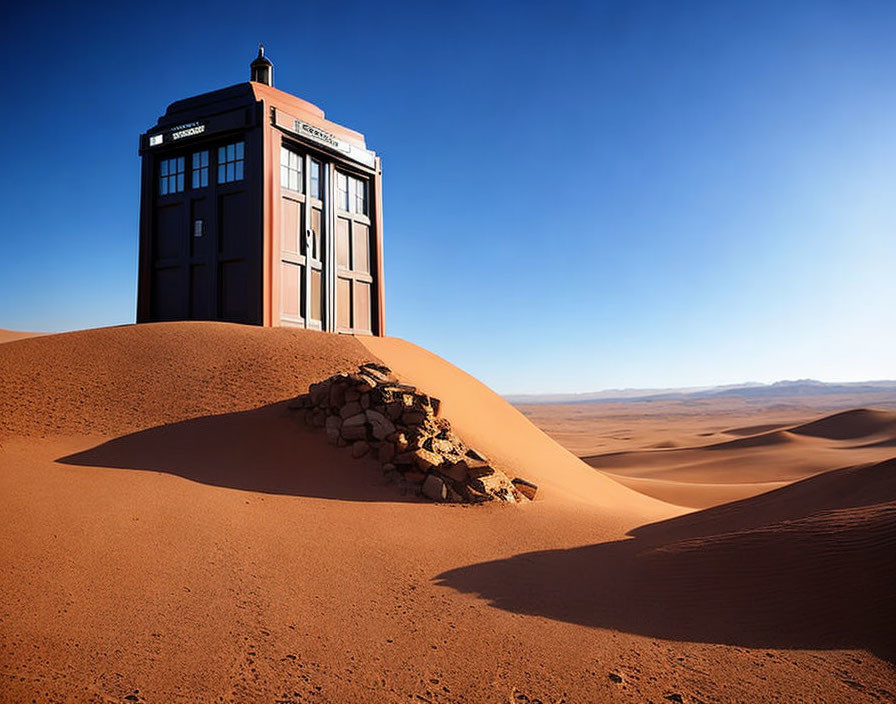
200, 300
343, 243
354, 260
233, 289
317, 291
233, 225
290, 290
167, 300
290, 225
343, 303
361, 306
170, 232
360, 248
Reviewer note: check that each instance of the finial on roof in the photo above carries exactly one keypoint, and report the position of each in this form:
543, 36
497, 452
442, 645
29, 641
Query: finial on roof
262, 70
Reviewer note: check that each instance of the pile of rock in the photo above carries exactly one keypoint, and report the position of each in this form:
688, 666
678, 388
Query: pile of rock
371, 413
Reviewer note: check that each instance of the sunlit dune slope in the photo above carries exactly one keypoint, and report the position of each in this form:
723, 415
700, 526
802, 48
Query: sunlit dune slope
110, 381
11, 335
855, 424
488, 422
847, 488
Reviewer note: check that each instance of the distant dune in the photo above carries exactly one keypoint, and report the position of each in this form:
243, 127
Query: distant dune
11, 335
172, 533
712, 473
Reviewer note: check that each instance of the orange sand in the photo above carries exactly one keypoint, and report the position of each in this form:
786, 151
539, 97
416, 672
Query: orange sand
10, 335
172, 534
700, 454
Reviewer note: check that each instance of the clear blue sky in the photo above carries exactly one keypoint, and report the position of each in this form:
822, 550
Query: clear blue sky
577, 196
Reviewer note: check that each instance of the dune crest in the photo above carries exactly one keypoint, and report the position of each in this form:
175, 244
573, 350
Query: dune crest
13, 335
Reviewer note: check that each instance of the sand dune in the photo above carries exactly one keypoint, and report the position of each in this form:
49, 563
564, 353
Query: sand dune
819, 581
12, 335
115, 380
713, 473
172, 533
503, 433
855, 424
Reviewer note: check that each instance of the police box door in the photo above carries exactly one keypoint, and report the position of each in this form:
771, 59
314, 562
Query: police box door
302, 281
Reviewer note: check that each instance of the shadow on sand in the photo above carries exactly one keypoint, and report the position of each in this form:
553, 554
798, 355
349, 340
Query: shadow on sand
739, 574
812, 565
266, 449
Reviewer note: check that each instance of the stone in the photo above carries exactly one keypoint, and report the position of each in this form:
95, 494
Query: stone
444, 447
360, 448
456, 471
526, 488
391, 476
413, 416
337, 395
477, 468
613, 677
415, 477
388, 467
352, 408
318, 418
354, 428
365, 400
435, 404
401, 442
496, 485
434, 488
319, 393
333, 425
394, 409
363, 382
300, 403
352, 395
386, 452
474, 455
474, 496
382, 374
405, 458
380, 426
400, 388
426, 460
309, 417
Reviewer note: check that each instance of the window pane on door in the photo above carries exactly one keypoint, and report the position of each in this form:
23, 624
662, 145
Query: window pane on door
315, 179
360, 196
341, 191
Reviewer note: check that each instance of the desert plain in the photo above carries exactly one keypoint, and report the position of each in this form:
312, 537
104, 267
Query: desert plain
171, 532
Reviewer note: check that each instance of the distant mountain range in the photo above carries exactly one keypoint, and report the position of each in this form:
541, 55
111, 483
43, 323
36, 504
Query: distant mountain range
749, 390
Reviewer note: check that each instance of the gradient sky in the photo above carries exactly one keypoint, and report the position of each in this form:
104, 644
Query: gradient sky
577, 196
